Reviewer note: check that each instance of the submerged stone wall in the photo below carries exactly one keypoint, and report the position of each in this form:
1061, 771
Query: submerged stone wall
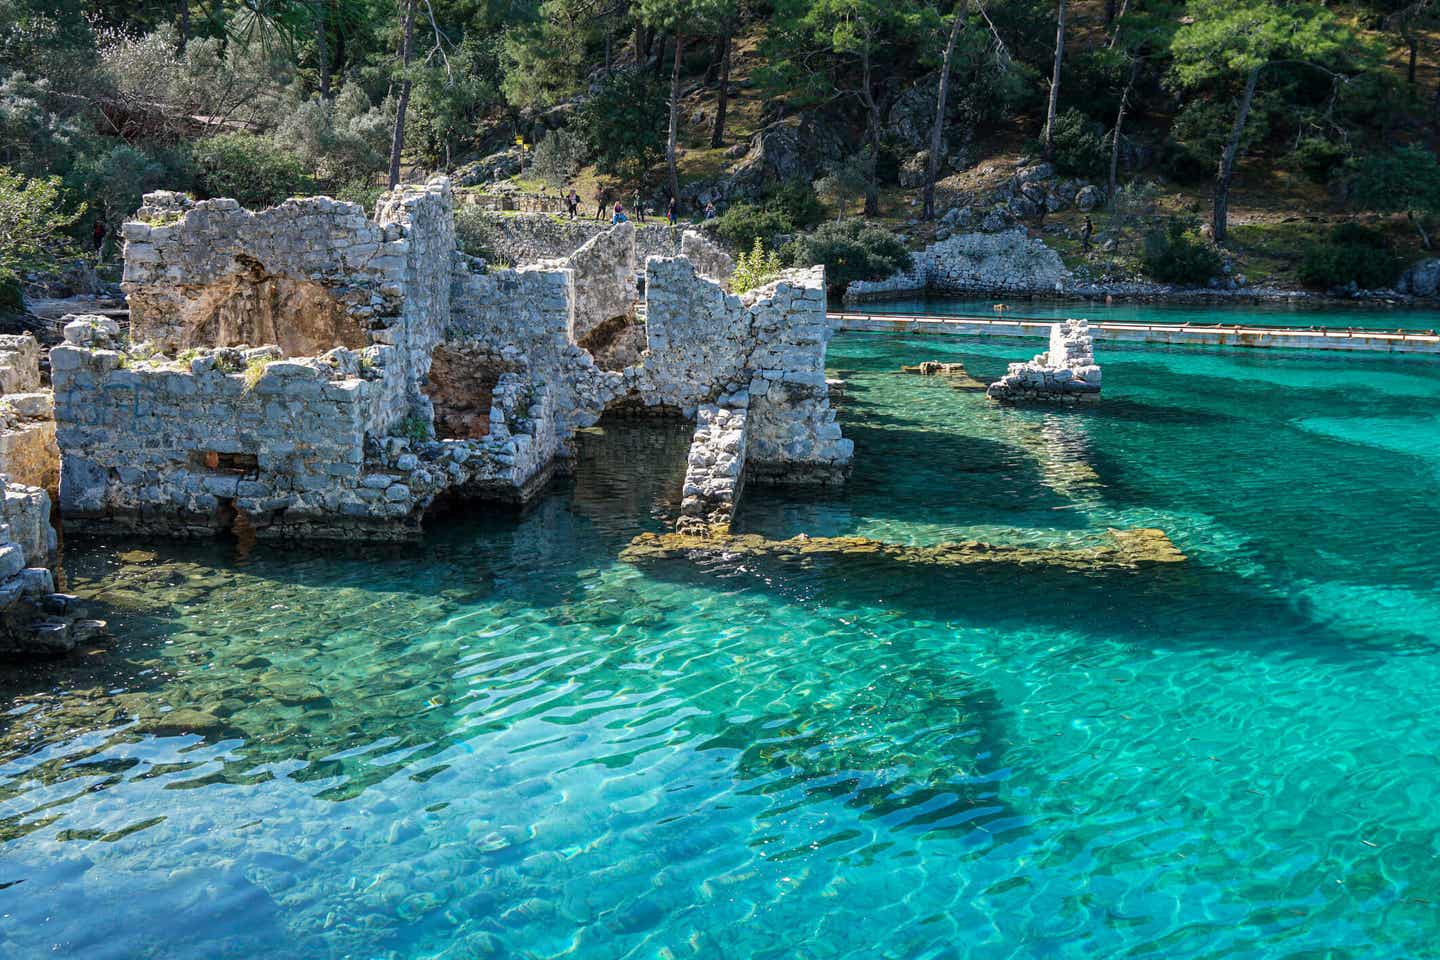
714, 468
1066, 373
972, 263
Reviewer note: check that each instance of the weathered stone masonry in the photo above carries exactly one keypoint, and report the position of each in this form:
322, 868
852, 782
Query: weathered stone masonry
392, 368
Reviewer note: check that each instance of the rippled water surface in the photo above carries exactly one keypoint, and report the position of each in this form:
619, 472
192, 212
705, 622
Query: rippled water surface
504, 742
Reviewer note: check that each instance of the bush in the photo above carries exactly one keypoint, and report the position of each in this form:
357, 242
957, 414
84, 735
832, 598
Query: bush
473, 232
798, 201
250, 169
745, 223
34, 221
11, 300
559, 157
756, 268
1317, 159
1172, 255
851, 250
1353, 254
1079, 145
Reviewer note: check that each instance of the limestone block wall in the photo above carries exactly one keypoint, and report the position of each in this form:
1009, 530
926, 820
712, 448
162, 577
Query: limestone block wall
310, 274
1005, 262
794, 437
28, 452
709, 257
603, 280
19, 363
699, 338
184, 447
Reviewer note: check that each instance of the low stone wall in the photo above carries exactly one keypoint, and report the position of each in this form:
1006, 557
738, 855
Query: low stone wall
973, 263
34, 619
1066, 373
28, 452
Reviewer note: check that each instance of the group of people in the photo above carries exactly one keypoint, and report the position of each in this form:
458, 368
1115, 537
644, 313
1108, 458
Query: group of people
617, 210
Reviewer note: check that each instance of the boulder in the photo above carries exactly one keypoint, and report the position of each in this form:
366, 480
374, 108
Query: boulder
913, 113
912, 171
784, 150
1423, 279
1089, 197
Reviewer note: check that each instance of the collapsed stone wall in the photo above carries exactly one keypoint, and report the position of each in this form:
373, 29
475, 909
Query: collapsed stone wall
972, 263
34, 619
1065, 373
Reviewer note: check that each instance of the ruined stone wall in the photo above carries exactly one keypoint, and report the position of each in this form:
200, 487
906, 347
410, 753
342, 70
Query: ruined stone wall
1065, 373
181, 447
972, 263
307, 275
520, 239
715, 466
603, 280
28, 452
794, 438
709, 257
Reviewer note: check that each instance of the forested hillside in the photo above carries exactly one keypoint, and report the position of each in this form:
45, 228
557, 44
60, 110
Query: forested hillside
1292, 140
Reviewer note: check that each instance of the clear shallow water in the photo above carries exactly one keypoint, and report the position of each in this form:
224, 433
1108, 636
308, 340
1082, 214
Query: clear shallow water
1367, 317
504, 742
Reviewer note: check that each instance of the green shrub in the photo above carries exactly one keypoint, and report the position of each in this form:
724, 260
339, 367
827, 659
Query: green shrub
1172, 255
474, 231
756, 268
797, 200
1317, 159
789, 207
851, 250
250, 169
11, 300
1184, 164
1079, 145
559, 157
745, 223
1352, 254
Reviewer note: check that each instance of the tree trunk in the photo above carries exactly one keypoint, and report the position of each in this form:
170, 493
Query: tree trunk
1414, 51
1110, 8
712, 69
1055, 80
1119, 125
322, 50
184, 23
1227, 159
872, 185
1419, 228
397, 139
722, 96
659, 55
674, 115
932, 164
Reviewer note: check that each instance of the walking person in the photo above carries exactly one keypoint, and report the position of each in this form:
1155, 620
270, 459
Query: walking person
574, 203
670, 212
1086, 232
97, 235
639, 208
602, 197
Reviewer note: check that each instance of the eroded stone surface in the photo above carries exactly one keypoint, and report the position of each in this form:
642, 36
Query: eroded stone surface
954, 373
973, 263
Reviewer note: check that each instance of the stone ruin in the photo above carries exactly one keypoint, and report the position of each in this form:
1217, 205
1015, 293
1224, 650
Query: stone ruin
1066, 373
307, 372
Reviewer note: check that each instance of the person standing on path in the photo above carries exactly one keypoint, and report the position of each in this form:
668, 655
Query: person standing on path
670, 212
602, 197
638, 207
1086, 232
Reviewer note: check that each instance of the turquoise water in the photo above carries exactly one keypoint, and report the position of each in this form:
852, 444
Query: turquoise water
504, 742
1359, 317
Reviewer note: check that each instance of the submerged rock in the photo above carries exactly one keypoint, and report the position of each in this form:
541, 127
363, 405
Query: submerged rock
954, 372
1124, 550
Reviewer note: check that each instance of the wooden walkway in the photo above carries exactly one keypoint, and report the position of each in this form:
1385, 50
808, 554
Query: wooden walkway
1207, 334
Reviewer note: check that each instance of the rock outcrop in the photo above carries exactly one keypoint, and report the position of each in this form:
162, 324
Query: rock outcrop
973, 263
